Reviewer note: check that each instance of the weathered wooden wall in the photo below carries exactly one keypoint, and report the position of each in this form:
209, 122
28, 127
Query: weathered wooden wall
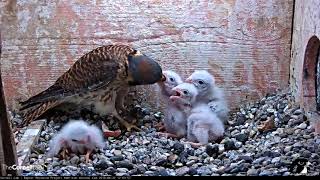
244, 43
305, 47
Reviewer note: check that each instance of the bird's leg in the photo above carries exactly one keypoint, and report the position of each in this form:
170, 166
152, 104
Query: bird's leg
160, 126
119, 105
195, 145
168, 135
88, 155
119, 101
125, 123
128, 116
64, 153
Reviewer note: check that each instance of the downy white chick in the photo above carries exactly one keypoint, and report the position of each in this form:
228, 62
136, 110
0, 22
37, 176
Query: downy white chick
209, 93
176, 115
204, 125
79, 137
170, 80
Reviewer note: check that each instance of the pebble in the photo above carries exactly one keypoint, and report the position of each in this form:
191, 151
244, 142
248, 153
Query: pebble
287, 149
75, 160
265, 173
124, 164
252, 172
117, 152
178, 147
229, 145
275, 160
242, 137
212, 150
122, 174
182, 171
302, 126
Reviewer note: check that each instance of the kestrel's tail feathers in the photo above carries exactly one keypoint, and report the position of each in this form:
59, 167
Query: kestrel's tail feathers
50, 94
36, 112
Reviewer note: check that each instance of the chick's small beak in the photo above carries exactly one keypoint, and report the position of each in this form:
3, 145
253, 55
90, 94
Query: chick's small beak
188, 80
177, 95
177, 92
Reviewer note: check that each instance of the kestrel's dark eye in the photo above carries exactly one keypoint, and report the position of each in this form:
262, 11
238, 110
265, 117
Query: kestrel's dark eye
201, 82
74, 140
171, 79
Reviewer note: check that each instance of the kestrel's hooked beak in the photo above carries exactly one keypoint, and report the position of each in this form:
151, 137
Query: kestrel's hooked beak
163, 78
143, 71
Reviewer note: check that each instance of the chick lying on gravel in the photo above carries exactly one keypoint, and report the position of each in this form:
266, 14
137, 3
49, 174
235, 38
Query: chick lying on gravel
78, 137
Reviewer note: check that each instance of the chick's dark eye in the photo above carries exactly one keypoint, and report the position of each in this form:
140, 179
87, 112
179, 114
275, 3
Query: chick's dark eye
185, 92
171, 79
74, 140
201, 82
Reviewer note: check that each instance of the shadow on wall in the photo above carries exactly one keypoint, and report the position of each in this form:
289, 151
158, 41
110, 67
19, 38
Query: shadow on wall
311, 76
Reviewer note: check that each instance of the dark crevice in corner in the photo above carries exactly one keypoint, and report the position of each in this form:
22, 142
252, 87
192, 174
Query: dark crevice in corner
291, 38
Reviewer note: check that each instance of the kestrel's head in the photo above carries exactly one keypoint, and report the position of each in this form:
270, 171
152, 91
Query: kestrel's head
202, 80
142, 70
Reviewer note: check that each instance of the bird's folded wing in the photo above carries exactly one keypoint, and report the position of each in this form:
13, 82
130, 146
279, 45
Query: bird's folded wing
92, 71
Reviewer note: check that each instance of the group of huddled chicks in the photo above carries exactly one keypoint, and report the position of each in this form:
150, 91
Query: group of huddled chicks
195, 109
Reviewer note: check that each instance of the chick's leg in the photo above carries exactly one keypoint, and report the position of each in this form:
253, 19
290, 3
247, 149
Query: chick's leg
195, 145
160, 126
88, 155
168, 135
64, 152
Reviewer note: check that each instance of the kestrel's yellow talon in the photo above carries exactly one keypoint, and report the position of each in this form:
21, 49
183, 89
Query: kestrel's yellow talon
132, 126
125, 123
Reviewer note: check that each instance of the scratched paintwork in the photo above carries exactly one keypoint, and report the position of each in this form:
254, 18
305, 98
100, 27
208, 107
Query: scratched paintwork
244, 43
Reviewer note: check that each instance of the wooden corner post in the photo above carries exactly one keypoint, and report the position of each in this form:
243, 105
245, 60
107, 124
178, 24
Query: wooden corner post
8, 154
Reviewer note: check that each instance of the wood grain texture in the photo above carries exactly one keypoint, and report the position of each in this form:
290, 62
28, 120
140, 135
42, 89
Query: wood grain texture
8, 154
244, 43
305, 29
